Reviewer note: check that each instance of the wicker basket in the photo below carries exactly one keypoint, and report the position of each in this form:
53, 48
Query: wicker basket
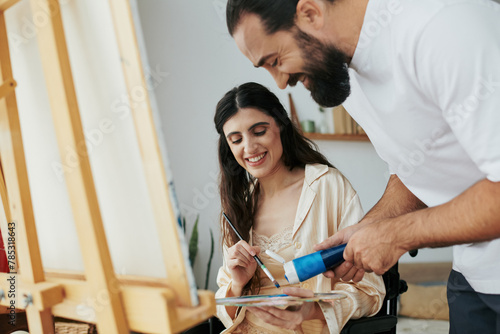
74, 328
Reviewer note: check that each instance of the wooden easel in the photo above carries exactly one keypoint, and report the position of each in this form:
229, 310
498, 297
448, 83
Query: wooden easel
131, 303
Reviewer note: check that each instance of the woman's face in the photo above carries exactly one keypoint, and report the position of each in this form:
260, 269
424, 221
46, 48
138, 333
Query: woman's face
254, 139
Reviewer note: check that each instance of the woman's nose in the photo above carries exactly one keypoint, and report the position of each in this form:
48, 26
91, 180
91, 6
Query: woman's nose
250, 146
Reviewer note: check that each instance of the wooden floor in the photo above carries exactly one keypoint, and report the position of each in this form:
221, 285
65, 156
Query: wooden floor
422, 326
416, 273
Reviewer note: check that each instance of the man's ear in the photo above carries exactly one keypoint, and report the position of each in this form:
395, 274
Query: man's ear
310, 15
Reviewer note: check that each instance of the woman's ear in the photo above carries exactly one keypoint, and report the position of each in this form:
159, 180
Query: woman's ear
310, 15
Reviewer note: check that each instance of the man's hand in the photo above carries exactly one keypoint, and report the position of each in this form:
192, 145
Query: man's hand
288, 318
376, 247
346, 271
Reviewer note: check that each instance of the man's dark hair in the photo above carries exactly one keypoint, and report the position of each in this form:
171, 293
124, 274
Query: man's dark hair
275, 14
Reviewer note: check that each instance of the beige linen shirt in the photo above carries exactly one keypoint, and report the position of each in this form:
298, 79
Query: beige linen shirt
328, 203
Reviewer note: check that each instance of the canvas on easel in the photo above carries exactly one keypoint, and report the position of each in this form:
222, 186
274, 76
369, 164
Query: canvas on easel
86, 180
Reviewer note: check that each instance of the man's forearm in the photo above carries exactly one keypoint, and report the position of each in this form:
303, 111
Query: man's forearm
396, 201
473, 216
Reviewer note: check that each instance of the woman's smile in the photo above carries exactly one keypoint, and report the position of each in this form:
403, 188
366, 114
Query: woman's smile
256, 160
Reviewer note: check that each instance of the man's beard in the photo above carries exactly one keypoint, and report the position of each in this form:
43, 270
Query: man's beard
326, 70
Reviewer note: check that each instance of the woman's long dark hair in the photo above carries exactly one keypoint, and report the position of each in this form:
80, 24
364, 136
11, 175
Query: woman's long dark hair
238, 190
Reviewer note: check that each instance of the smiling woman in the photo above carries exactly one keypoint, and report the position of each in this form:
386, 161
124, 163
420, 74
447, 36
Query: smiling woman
283, 195
268, 130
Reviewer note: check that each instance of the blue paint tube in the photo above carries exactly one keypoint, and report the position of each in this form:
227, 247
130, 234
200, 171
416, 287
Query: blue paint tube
307, 266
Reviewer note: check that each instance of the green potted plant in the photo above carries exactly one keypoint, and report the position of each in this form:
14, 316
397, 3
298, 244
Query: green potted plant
193, 247
212, 325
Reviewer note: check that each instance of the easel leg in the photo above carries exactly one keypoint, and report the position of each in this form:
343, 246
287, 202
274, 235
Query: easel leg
37, 320
158, 183
17, 187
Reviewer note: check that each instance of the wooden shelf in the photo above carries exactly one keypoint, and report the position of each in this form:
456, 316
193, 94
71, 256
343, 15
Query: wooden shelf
336, 136
326, 136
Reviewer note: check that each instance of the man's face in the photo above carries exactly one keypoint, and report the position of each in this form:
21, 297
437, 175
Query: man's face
326, 70
292, 56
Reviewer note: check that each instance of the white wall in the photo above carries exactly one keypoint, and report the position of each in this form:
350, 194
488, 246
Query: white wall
189, 40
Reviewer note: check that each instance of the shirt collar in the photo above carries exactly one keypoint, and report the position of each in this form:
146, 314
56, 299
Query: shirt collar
313, 172
366, 37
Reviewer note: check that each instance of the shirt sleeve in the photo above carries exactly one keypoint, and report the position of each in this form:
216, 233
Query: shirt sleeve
224, 282
457, 64
353, 212
364, 298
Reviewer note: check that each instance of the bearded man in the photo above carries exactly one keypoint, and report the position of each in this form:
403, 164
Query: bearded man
422, 77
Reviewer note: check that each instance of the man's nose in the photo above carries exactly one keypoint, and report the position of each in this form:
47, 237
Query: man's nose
280, 77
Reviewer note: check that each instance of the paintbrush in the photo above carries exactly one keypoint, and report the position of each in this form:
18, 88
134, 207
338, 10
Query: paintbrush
259, 261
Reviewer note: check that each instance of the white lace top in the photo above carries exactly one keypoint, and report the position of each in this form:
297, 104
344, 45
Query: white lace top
281, 244
275, 242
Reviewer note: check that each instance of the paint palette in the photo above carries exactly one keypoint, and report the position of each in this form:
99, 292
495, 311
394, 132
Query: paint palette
276, 300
